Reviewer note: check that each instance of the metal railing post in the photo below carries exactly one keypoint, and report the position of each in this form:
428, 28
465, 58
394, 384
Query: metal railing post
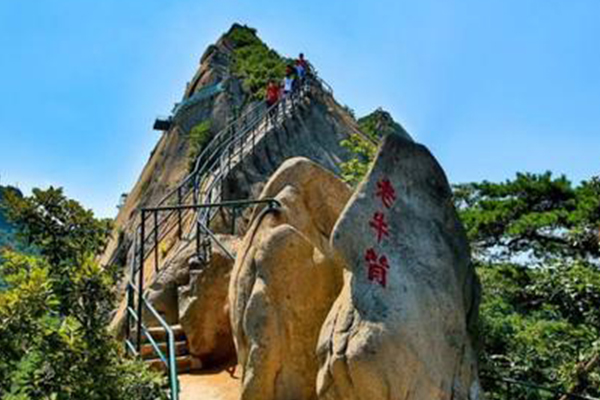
128, 316
179, 216
198, 238
233, 216
155, 240
141, 284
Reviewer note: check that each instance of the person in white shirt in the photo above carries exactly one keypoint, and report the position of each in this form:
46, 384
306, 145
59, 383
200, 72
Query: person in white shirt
288, 81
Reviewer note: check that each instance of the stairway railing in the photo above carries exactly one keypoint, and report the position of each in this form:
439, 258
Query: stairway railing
134, 313
168, 359
216, 159
512, 389
200, 195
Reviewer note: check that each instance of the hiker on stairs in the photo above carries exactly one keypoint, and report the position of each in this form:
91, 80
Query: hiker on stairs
272, 97
289, 81
301, 67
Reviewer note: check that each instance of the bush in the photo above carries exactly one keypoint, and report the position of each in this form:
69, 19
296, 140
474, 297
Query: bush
55, 309
357, 167
254, 62
200, 135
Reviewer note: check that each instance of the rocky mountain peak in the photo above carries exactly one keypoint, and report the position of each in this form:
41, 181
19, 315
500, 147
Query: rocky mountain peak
380, 123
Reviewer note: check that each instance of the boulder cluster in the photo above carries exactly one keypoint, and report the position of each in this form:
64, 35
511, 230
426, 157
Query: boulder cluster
340, 294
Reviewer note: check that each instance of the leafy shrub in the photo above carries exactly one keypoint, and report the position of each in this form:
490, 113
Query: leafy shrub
357, 167
200, 135
254, 62
379, 124
375, 126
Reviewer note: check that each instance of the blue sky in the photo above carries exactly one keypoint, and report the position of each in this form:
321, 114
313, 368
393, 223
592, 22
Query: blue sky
491, 87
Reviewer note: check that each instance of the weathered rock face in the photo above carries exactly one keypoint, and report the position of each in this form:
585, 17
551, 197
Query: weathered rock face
400, 327
285, 281
204, 309
315, 132
196, 298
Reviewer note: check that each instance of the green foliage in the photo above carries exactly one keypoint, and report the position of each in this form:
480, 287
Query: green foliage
55, 309
8, 239
200, 135
356, 168
65, 233
254, 62
375, 126
379, 124
541, 324
535, 239
533, 215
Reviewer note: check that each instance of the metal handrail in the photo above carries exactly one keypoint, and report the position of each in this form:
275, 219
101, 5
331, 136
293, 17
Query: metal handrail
214, 163
558, 393
169, 359
224, 167
210, 169
228, 203
205, 229
202, 94
214, 141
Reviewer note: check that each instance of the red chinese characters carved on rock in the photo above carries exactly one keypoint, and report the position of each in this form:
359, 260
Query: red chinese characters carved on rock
377, 267
386, 192
379, 225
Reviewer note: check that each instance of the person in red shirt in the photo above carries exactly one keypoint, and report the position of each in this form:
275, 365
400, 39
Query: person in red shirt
273, 93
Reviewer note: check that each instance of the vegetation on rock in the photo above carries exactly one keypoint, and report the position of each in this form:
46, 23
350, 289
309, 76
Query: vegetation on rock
379, 124
56, 306
200, 135
375, 125
254, 61
363, 152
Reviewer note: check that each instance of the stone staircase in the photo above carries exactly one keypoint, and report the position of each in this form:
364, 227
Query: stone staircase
184, 360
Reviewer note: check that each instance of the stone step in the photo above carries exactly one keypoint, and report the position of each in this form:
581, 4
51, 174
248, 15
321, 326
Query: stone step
159, 334
184, 364
149, 352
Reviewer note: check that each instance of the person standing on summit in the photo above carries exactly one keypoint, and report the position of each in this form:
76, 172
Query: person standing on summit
301, 67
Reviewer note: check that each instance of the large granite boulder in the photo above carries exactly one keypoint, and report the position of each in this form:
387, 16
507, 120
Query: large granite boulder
194, 295
204, 308
402, 325
284, 283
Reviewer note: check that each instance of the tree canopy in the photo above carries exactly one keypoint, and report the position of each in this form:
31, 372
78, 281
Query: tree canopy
534, 216
55, 309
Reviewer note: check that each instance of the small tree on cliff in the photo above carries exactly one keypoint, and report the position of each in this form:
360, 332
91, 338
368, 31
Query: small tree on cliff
55, 309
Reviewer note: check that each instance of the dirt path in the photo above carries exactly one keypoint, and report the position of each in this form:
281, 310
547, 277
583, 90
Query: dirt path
215, 385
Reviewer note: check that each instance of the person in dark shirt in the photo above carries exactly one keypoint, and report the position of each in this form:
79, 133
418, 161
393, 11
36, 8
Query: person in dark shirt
301, 67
